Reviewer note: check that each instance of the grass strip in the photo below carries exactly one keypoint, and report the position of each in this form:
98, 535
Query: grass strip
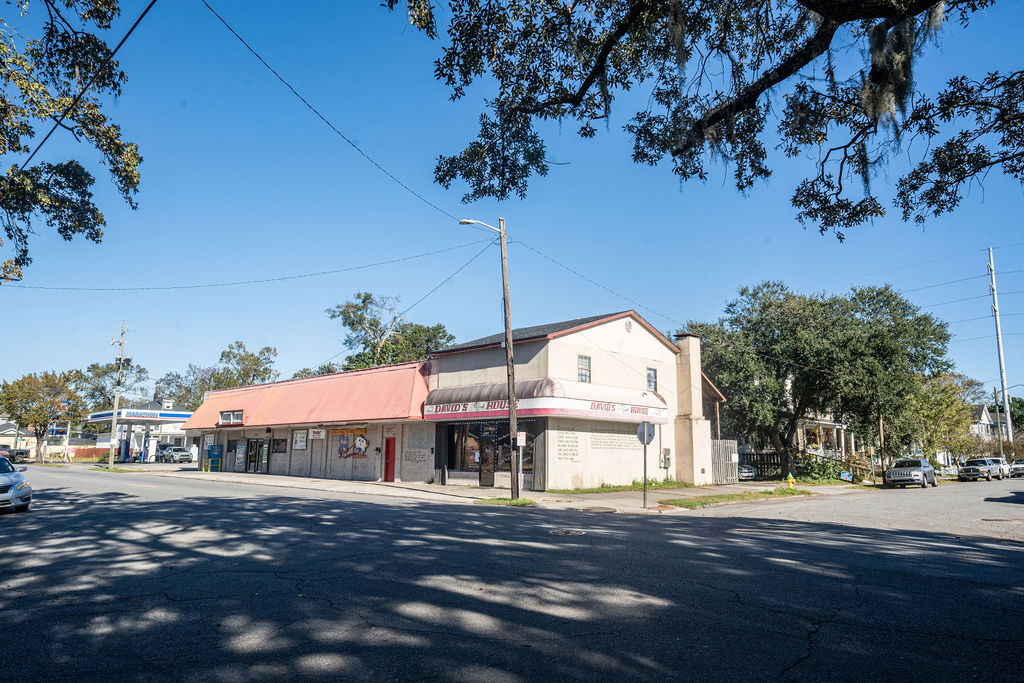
111, 469
44, 464
512, 502
635, 486
705, 501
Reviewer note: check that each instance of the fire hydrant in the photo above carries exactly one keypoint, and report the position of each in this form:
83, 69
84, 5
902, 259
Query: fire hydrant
790, 480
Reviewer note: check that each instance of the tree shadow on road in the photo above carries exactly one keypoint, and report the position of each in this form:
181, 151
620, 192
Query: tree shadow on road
109, 586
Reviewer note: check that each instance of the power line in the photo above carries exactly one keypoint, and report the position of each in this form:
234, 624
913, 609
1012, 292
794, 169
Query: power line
251, 282
956, 301
442, 283
986, 336
325, 119
940, 284
88, 83
598, 284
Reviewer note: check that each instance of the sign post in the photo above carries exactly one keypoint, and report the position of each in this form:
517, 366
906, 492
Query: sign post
645, 432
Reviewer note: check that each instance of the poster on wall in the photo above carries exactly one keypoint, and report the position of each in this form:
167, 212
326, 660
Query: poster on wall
299, 439
209, 440
316, 434
240, 456
352, 446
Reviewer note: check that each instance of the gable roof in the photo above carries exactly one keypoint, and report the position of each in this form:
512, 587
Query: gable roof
553, 330
390, 392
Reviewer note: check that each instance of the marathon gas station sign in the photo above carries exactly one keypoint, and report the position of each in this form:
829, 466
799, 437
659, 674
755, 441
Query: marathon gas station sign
551, 406
137, 414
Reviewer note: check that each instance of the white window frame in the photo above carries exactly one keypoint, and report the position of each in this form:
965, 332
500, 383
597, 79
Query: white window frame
654, 379
582, 368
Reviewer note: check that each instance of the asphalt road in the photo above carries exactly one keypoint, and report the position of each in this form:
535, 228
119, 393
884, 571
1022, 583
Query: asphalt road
135, 576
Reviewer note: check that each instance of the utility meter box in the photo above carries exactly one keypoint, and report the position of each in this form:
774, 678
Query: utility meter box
665, 460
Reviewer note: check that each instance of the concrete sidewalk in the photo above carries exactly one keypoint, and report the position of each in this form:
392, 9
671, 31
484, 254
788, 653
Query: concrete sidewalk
614, 501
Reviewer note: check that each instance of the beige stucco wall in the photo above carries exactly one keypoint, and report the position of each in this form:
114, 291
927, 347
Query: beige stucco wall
416, 455
620, 358
487, 366
588, 453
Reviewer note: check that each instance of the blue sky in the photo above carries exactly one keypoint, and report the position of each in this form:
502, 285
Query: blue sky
240, 181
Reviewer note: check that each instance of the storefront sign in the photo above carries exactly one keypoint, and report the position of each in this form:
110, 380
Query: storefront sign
317, 433
353, 430
620, 412
299, 439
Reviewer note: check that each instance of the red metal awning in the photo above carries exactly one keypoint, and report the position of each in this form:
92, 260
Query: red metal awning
393, 392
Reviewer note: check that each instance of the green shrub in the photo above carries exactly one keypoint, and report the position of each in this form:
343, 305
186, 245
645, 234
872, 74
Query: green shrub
820, 469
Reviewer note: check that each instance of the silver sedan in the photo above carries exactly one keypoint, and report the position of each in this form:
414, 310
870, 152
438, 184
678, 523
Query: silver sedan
15, 488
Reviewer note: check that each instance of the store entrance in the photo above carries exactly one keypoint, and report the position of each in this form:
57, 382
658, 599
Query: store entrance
253, 450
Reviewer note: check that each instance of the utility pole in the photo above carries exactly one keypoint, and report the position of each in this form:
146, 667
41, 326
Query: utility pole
513, 431
999, 424
513, 426
999, 345
114, 441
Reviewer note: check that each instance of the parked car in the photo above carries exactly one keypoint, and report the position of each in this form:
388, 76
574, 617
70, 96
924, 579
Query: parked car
16, 454
1004, 467
916, 471
1017, 468
978, 468
174, 454
747, 473
15, 488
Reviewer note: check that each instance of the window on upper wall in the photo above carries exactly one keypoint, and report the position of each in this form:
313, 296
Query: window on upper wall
228, 417
583, 364
652, 379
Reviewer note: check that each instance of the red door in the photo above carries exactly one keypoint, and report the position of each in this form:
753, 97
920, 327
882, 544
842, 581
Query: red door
389, 459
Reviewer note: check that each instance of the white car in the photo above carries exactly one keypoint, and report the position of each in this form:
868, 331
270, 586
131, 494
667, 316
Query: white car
1004, 467
1017, 468
15, 488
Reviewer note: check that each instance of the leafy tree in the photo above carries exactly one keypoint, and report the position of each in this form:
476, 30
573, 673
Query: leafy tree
245, 367
940, 413
782, 357
41, 401
834, 78
379, 336
188, 388
49, 50
238, 367
98, 380
892, 346
773, 354
325, 369
1016, 412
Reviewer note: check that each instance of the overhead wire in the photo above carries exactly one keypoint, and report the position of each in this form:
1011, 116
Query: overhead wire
74, 103
323, 118
281, 278
439, 285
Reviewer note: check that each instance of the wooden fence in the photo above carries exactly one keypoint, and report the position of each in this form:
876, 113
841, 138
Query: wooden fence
724, 469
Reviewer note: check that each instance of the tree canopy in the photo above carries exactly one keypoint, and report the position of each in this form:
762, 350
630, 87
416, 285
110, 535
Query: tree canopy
238, 367
378, 335
782, 357
98, 380
723, 81
49, 50
39, 401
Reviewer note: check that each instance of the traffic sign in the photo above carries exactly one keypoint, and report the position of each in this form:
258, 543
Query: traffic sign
645, 432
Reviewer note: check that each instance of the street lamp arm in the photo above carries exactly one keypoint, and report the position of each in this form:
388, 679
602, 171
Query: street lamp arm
470, 221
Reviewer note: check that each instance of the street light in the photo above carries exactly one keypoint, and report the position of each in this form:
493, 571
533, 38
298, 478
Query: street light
512, 425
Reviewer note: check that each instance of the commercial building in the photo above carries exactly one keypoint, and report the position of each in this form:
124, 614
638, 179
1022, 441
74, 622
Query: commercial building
582, 387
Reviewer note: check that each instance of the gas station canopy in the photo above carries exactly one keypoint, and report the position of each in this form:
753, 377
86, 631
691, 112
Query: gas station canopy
141, 416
